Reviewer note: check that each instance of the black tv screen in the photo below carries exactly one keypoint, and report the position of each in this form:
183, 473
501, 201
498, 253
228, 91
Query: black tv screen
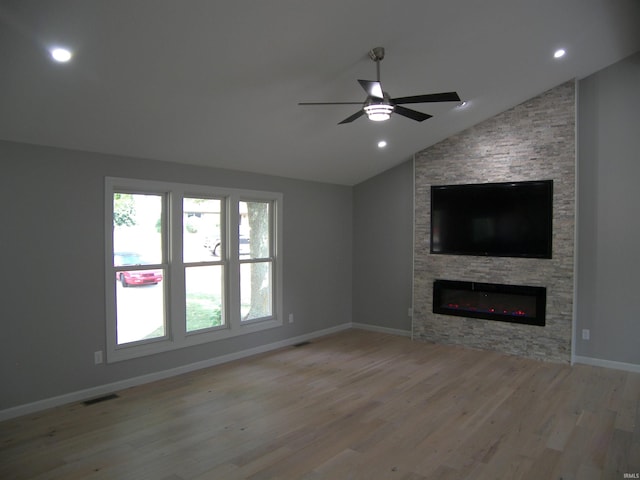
512, 219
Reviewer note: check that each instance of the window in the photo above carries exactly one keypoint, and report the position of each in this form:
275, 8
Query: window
204, 268
188, 264
138, 254
256, 260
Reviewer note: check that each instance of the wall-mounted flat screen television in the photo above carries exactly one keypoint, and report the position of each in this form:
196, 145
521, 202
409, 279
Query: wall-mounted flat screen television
511, 219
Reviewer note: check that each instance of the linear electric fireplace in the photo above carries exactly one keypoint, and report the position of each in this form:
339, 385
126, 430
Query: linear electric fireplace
490, 301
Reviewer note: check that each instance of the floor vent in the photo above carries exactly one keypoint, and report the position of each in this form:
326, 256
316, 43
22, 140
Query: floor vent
301, 344
100, 399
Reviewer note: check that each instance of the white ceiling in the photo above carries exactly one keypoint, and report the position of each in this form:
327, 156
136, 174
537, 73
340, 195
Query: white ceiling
217, 82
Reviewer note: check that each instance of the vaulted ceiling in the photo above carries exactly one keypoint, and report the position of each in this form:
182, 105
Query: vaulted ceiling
218, 83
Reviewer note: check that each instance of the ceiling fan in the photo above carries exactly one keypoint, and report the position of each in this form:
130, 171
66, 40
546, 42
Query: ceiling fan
379, 106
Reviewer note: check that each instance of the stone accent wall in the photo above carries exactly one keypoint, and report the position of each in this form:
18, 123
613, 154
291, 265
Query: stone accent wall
532, 141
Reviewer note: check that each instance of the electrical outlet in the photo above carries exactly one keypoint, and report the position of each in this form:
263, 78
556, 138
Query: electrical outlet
97, 357
586, 334
291, 318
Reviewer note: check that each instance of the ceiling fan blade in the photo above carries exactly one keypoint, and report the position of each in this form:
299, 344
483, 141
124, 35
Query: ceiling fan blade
373, 89
330, 103
432, 97
350, 119
412, 114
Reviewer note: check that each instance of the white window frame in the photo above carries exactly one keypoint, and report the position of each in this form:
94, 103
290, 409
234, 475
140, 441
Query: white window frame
174, 281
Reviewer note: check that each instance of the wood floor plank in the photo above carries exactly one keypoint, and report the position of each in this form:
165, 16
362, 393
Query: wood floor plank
354, 405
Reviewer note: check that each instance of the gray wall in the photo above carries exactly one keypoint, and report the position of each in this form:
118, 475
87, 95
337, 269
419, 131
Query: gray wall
608, 279
52, 287
382, 256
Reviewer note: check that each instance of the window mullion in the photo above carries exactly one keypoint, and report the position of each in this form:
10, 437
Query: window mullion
175, 287
233, 226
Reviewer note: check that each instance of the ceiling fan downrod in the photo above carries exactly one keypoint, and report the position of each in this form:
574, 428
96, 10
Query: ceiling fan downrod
377, 54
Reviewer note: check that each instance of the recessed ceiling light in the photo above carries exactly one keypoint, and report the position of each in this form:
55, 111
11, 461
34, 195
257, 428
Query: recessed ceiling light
559, 53
382, 144
463, 104
61, 55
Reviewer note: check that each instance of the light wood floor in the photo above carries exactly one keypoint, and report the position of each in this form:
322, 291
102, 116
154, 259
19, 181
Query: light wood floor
355, 405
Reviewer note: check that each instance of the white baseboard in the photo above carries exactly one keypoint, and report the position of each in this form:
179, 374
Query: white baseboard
598, 362
375, 328
100, 390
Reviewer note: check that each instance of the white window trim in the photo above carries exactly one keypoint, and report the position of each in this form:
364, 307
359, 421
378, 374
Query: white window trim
177, 337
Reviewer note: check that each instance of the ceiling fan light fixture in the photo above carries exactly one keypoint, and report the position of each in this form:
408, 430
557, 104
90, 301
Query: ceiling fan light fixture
378, 112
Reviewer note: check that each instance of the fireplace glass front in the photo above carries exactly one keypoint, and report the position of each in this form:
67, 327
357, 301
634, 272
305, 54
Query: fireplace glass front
490, 301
